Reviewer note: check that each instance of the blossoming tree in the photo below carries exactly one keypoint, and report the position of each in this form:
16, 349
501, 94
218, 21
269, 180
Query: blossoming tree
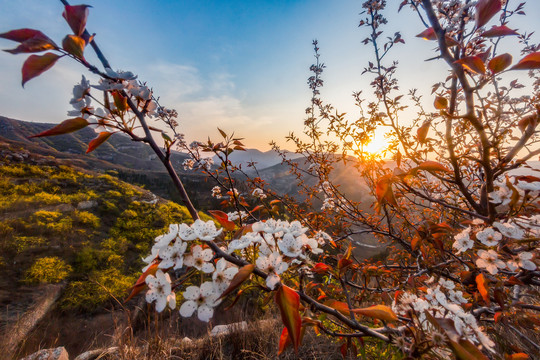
462, 227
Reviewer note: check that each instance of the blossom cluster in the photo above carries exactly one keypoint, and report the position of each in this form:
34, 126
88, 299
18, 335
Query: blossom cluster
276, 243
442, 300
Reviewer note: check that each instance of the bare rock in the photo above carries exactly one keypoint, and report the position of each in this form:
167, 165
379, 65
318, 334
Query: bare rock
226, 329
96, 354
60, 353
84, 205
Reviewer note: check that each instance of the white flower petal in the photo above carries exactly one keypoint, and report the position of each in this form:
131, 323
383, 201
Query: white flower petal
188, 308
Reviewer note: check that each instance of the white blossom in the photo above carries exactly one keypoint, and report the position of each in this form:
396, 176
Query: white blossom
173, 256
463, 241
273, 265
159, 290
205, 231
223, 275
203, 299
258, 193
509, 230
489, 236
489, 260
199, 258
290, 245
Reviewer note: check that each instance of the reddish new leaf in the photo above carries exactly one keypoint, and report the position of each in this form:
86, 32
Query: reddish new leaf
440, 103
497, 31
529, 62
517, 356
284, 341
485, 10
432, 166
422, 132
37, 43
428, 34
21, 35
65, 127
120, 101
384, 192
320, 268
76, 17
381, 312
339, 306
499, 63
241, 276
482, 288
74, 45
100, 139
223, 219
473, 63
141, 282
288, 302
35, 65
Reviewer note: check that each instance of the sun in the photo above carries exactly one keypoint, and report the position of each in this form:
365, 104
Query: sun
377, 144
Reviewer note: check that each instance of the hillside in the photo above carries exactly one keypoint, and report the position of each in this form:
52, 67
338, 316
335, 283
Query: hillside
64, 225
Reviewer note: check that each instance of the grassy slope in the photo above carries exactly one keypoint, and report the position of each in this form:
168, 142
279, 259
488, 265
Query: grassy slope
45, 235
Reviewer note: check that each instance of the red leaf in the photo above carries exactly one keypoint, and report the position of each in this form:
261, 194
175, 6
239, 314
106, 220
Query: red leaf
440, 103
384, 191
320, 268
482, 288
288, 302
21, 35
339, 306
74, 45
284, 341
100, 139
120, 101
37, 43
429, 166
485, 10
381, 312
239, 278
497, 31
65, 127
473, 63
223, 219
529, 62
422, 132
141, 283
428, 34
499, 63
35, 65
76, 17
517, 356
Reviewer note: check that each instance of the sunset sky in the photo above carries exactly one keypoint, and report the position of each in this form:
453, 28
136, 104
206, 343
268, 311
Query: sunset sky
238, 65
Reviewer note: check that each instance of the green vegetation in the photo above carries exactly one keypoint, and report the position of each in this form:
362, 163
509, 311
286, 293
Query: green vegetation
48, 270
58, 223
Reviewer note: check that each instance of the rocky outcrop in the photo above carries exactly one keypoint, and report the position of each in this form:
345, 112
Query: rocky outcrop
59, 353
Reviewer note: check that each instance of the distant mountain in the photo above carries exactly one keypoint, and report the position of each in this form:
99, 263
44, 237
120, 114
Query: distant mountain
261, 159
118, 150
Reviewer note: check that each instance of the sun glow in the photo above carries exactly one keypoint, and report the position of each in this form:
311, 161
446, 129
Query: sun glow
377, 144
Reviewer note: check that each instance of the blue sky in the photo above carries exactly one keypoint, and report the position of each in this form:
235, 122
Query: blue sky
238, 65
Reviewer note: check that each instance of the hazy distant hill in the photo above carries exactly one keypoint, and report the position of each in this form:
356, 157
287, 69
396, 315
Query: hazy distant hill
261, 159
118, 150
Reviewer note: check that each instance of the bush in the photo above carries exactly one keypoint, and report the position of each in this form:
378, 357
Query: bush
100, 288
48, 270
85, 218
